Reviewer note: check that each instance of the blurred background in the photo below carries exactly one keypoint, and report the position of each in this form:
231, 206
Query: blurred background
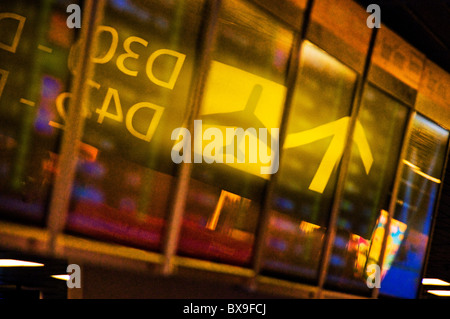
86, 174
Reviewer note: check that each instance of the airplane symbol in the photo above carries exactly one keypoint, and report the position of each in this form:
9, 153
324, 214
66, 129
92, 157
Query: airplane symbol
244, 119
227, 86
337, 129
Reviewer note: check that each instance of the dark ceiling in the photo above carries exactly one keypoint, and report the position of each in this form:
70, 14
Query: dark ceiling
423, 23
32, 282
426, 25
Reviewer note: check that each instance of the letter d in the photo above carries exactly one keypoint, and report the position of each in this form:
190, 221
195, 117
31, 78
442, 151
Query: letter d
15, 41
175, 72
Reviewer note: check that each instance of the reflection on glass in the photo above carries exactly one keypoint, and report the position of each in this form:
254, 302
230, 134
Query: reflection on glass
34, 45
421, 173
394, 239
315, 138
143, 67
245, 89
366, 189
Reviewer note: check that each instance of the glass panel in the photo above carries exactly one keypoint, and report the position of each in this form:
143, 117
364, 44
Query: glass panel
34, 47
421, 173
316, 132
374, 157
143, 67
244, 90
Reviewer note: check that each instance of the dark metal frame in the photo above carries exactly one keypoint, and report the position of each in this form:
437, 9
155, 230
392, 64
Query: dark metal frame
396, 186
291, 79
178, 198
73, 132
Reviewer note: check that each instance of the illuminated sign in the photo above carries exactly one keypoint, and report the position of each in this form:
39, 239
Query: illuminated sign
237, 104
239, 118
112, 99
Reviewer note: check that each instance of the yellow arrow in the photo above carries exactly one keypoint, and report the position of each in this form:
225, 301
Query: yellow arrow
332, 156
359, 137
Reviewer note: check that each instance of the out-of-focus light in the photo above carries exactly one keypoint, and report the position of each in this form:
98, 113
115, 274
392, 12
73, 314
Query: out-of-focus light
61, 277
431, 178
308, 227
434, 282
411, 164
18, 263
440, 293
417, 170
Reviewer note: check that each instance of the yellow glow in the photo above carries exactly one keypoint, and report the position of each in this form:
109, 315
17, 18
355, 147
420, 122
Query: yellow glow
212, 222
228, 89
410, 164
417, 170
18, 263
441, 293
431, 178
61, 277
225, 105
307, 227
434, 281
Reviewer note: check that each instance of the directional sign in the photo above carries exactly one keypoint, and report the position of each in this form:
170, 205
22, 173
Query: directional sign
236, 98
338, 130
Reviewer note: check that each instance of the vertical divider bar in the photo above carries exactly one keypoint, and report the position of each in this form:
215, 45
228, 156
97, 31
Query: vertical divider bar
331, 229
62, 187
395, 188
435, 213
176, 209
291, 79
